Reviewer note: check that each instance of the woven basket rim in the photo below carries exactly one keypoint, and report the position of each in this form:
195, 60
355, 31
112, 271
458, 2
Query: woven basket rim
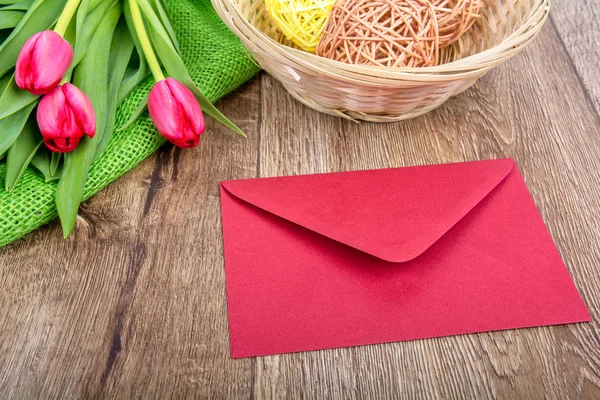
464, 67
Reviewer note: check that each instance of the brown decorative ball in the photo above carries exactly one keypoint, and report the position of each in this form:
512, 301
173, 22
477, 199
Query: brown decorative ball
389, 33
454, 18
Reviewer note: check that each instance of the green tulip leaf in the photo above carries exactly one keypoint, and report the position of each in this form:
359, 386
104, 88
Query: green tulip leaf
40, 16
10, 19
87, 24
136, 74
155, 24
166, 21
20, 5
14, 99
79, 22
4, 82
70, 36
120, 54
133, 77
43, 160
54, 162
11, 127
20, 154
175, 67
91, 76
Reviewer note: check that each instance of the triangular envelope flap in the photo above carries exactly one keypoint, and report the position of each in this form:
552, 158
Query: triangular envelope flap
393, 214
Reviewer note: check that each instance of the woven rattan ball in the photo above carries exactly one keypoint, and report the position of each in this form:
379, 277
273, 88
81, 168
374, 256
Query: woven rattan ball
390, 33
301, 21
454, 18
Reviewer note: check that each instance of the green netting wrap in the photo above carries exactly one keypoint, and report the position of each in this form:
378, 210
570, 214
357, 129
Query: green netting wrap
217, 62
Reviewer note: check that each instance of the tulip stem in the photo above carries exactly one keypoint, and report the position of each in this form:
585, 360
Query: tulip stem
66, 16
140, 29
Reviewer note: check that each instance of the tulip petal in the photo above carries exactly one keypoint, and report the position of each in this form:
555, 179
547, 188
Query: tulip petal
81, 108
190, 138
165, 111
191, 108
52, 57
61, 145
176, 113
42, 62
64, 116
51, 114
23, 73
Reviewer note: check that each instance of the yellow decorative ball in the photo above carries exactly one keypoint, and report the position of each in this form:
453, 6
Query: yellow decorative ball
301, 21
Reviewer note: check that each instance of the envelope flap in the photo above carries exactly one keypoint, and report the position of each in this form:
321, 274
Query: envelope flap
393, 214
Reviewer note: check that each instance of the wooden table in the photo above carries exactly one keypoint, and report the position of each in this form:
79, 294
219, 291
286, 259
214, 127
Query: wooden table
133, 304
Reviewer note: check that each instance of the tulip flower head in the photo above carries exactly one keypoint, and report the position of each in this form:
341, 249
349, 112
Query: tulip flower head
42, 62
176, 113
64, 116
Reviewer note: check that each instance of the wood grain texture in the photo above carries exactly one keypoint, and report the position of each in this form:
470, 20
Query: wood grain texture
133, 304
578, 23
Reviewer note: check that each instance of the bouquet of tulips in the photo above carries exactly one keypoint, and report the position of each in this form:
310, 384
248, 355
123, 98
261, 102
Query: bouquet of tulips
66, 65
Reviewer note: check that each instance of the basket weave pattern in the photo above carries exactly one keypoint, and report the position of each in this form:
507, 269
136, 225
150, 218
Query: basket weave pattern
405, 35
383, 94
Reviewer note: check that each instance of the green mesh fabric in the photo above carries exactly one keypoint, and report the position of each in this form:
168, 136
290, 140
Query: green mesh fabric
217, 62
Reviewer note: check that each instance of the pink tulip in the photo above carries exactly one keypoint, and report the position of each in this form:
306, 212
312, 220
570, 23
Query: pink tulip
64, 116
176, 113
42, 62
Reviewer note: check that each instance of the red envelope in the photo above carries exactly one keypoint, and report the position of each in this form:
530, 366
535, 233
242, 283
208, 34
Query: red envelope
355, 258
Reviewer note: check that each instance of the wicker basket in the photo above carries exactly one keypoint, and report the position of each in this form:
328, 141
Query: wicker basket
383, 94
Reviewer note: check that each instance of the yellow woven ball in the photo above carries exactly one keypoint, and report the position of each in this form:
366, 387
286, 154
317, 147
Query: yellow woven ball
301, 21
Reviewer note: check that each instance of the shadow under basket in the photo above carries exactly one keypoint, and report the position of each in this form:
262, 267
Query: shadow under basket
382, 94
